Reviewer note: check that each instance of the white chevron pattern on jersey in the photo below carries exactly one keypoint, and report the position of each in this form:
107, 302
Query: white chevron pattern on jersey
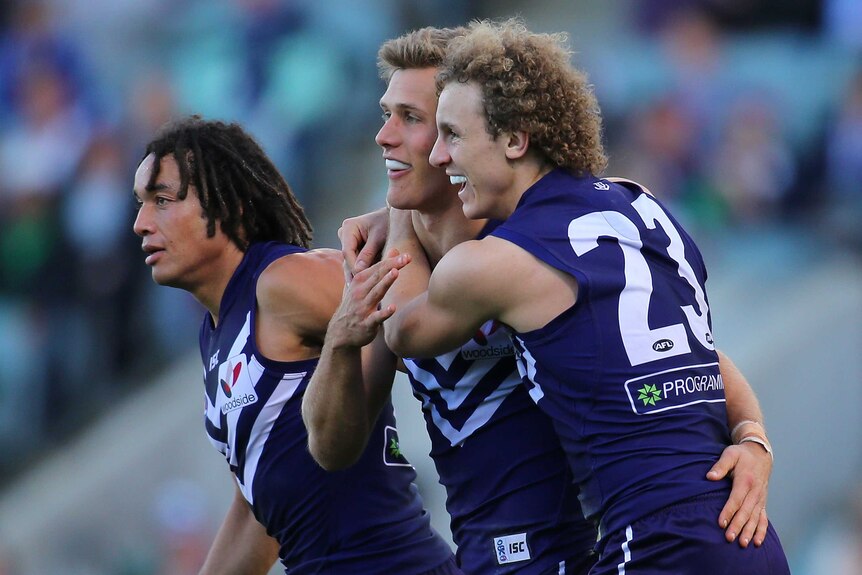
214, 410
527, 368
249, 375
454, 393
265, 420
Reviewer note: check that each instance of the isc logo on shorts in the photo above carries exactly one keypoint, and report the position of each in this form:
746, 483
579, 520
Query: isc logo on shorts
511, 548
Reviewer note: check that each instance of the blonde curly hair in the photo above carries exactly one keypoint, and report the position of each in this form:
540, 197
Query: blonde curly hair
528, 83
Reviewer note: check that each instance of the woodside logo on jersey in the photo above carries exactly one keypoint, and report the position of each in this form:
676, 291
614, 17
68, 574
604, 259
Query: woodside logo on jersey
489, 342
236, 385
234, 373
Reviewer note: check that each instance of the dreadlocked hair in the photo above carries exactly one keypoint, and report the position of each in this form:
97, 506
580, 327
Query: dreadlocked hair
237, 184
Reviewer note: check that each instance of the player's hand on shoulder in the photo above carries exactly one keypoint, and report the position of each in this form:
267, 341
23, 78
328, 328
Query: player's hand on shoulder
358, 318
362, 240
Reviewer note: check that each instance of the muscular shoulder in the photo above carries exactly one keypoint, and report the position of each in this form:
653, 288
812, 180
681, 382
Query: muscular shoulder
508, 283
302, 289
295, 274
480, 272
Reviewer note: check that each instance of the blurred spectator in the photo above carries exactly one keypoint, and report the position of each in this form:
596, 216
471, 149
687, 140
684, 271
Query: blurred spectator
263, 26
752, 167
697, 75
34, 40
182, 521
733, 15
38, 156
95, 215
843, 167
842, 22
419, 13
152, 102
651, 16
41, 143
664, 151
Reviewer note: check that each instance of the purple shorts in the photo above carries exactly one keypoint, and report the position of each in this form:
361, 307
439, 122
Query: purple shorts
685, 539
447, 568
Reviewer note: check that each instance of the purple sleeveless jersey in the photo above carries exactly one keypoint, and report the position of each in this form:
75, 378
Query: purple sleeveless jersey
629, 375
368, 519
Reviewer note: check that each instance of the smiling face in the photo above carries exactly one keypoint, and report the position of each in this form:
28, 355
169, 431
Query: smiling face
174, 232
471, 157
407, 136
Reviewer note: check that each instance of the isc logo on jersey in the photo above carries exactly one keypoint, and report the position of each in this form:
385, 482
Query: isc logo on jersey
235, 385
511, 548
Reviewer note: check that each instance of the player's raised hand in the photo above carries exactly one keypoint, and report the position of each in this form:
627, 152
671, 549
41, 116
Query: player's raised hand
362, 240
360, 315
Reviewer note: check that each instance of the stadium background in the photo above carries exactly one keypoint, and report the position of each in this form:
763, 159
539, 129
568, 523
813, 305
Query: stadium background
745, 115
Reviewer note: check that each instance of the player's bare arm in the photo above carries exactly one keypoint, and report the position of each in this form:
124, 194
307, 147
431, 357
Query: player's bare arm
241, 546
447, 319
297, 295
413, 279
464, 291
748, 462
355, 371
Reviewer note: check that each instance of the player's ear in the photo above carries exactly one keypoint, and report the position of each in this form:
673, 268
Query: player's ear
517, 144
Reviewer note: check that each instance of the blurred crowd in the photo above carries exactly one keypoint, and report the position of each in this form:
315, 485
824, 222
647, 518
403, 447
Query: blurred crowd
83, 87
741, 124
739, 116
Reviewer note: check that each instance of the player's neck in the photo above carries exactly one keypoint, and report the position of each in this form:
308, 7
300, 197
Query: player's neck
210, 291
530, 171
439, 232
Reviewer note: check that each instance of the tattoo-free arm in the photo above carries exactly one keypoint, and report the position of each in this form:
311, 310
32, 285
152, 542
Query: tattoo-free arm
744, 515
445, 316
343, 401
241, 546
354, 373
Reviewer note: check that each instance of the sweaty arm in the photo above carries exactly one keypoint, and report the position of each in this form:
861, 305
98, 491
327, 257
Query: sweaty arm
436, 312
241, 546
354, 374
748, 462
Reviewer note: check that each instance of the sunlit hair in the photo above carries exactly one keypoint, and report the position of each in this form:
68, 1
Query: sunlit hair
423, 48
238, 185
528, 83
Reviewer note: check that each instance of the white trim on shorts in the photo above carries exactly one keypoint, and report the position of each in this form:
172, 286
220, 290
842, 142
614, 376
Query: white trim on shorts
627, 554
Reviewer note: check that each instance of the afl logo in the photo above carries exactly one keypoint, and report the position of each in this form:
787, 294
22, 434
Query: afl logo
234, 375
663, 345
